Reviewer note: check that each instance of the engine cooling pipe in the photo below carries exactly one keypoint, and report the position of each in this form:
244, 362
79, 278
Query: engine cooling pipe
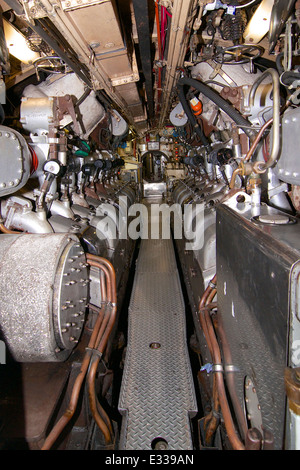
98, 412
219, 387
228, 420
276, 115
218, 100
3, 229
94, 351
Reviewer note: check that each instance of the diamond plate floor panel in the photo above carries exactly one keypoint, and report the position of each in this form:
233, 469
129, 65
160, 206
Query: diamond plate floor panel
157, 396
156, 256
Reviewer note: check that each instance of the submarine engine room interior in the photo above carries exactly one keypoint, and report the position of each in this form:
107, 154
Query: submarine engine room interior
149, 211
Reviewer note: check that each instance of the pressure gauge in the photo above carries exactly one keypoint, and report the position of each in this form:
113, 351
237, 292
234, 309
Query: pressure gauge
52, 167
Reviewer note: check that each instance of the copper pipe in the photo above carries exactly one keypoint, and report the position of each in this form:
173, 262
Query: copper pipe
101, 418
257, 139
98, 412
207, 291
276, 115
93, 261
202, 305
211, 296
228, 421
64, 420
108, 281
205, 332
108, 284
230, 380
237, 171
110, 267
210, 306
219, 388
102, 328
6, 230
212, 420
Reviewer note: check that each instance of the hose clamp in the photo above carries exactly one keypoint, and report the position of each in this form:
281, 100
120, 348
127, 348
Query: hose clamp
231, 368
94, 351
227, 368
217, 368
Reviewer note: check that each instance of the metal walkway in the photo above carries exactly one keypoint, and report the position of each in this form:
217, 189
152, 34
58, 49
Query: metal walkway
157, 396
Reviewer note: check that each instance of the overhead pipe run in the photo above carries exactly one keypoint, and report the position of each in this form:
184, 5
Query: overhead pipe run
178, 38
143, 30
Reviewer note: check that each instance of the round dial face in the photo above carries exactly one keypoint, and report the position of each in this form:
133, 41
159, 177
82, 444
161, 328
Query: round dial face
53, 167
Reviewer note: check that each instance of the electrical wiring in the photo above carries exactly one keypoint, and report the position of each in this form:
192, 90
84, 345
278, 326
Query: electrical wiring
246, 4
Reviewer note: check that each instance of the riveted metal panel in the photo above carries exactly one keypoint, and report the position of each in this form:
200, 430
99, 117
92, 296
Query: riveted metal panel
254, 263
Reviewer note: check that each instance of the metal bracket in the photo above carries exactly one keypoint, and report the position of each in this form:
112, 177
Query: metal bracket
218, 71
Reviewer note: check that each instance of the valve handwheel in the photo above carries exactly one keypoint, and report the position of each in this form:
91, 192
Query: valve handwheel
51, 64
238, 54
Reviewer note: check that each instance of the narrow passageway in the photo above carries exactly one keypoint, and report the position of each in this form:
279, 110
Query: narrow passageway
157, 395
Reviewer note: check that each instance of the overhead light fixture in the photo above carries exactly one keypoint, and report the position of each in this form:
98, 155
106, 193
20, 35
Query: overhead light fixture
16, 44
259, 24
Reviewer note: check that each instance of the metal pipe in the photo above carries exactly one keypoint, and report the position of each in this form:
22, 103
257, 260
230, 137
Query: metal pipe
142, 24
98, 412
230, 380
228, 421
159, 54
237, 171
110, 267
3, 229
27, 220
102, 421
68, 414
276, 114
64, 25
93, 342
58, 208
202, 306
178, 37
257, 139
54, 45
204, 315
212, 419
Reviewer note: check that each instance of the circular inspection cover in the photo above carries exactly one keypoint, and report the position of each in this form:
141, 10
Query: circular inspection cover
277, 219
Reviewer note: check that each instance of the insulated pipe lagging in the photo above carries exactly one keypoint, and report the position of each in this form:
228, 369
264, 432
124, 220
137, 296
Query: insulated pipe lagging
234, 114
